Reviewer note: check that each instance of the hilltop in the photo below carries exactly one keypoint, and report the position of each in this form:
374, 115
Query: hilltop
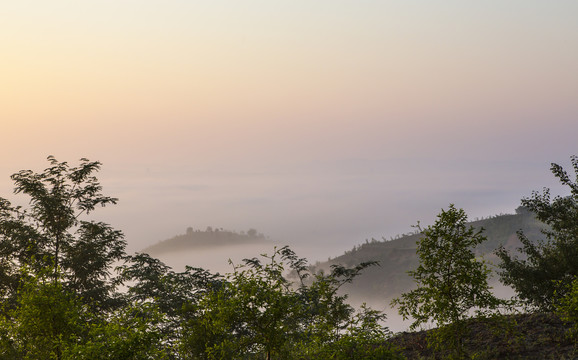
206, 239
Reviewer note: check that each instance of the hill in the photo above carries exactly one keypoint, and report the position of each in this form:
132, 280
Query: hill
397, 256
207, 239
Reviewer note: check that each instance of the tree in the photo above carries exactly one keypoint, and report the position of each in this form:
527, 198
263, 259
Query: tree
269, 319
56, 275
51, 233
545, 272
257, 312
131, 332
327, 314
451, 282
154, 284
361, 339
50, 322
47, 320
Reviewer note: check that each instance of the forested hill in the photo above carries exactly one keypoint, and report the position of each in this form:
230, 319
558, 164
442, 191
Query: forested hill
209, 238
397, 256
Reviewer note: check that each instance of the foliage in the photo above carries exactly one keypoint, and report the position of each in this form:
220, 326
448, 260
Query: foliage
327, 313
51, 235
269, 319
55, 271
132, 333
154, 283
47, 320
451, 282
362, 339
545, 274
567, 308
279, 319
50, 322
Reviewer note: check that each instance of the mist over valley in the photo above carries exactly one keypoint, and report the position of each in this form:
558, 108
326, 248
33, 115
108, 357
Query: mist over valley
213, 248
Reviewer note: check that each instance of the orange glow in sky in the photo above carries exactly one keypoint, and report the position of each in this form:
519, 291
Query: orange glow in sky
312, 96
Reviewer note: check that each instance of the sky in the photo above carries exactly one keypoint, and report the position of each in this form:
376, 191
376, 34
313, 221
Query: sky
319, 123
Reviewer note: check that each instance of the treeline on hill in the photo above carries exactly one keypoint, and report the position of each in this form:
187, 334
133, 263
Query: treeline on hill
195, 239
64, 297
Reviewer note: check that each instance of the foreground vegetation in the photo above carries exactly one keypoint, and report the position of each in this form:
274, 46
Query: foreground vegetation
62, 298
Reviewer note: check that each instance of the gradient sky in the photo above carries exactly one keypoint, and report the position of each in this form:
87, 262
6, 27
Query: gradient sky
320, 123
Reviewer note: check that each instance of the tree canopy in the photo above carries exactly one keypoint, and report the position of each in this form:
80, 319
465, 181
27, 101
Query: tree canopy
52, 234
544, 272
259, 310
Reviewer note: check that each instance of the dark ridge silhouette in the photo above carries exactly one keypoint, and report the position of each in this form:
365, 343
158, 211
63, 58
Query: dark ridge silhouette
206, 239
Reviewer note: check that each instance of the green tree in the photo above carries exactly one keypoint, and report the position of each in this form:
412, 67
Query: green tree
327, 314
51, 234
258, 312
154, 284
60, 298
451, 281
132, 332
547, 268
255, 311
46, 321
361, 339
153, 281
50, 322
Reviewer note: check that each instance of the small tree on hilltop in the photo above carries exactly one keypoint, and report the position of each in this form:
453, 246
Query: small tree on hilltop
451, 282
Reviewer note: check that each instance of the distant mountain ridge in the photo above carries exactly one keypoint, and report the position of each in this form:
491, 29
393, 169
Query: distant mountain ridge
397, 256
202, 239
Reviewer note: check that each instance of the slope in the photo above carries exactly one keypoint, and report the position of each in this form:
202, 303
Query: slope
397, 256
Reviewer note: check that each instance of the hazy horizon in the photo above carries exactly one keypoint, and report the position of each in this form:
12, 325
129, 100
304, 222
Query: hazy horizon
321, 124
